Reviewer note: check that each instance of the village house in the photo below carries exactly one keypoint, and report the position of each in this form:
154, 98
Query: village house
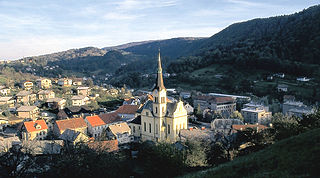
132, 101
4, 91
74, 137
44, 83
42, 147
296, 108
26, 97
34, 130
224, 105
79, 100
27, 85
65, 82
76, 124
135, 126
120, 132
189, 109
77, 81
107, 145
45, 94
255, 115
191, 133
282, 88
185, 95
56, 103
7, 142
127, 112
7, 100
28, 112
224, 126
95, 125
85, 91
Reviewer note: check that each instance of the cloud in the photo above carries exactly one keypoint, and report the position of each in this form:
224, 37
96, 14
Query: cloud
120, 16
144, 4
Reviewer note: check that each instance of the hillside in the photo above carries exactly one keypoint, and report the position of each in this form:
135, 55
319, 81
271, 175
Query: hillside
297, 156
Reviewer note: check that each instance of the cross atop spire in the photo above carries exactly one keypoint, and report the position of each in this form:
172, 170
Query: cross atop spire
159, 82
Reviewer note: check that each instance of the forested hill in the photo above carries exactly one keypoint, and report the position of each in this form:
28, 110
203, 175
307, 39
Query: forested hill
281, 44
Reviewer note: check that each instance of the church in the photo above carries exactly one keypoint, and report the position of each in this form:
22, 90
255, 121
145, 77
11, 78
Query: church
162, 119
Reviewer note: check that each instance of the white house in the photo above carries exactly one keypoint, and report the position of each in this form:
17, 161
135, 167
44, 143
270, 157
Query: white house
121, 132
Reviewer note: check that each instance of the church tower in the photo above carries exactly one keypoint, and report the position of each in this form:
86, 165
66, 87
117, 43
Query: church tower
159, 93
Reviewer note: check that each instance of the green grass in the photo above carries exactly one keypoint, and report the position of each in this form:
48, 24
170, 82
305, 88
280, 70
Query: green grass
298, 156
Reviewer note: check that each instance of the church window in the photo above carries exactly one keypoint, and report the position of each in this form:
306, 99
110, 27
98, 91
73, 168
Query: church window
163, 109
156, 110
134, 129
162, 99
176, 129
168, 128
147, 113
145, 126
149, 127
155, 99
156, 128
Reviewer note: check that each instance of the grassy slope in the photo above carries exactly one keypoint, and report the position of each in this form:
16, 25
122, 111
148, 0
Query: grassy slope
297, 156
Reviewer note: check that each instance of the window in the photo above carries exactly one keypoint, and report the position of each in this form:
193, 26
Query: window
149, 127
134, 129
156, 128
168, 128
145, 127
155, 99
156, 109
176, 129
147, 113
162, 109
163, 99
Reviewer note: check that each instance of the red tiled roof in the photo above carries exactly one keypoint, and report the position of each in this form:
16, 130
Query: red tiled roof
110, 117
95, 120
243, 127
220, 99
31, 125
109, 145
127, 109
71, 124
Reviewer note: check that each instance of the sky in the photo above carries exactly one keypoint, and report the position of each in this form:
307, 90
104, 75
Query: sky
35, 27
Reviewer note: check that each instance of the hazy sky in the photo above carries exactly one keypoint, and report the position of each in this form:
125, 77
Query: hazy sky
34, 27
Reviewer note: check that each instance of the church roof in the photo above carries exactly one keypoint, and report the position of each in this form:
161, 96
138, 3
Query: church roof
171, 107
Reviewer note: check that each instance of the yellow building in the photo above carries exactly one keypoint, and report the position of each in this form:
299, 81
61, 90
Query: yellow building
162, 120
44, 83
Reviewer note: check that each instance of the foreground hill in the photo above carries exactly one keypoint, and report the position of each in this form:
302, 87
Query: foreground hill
297, 156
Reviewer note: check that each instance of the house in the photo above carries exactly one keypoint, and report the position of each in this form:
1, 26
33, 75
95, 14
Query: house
120, 132
34, 130
189, 109
303, 79
42, 147
185, 95
95, 125
132, 101
56, 103
25, 97
79, 100
282, 88
65, 82
107, 145
135, 126
27, 85
74, 137
77, 81
110, 118
76, 124
295, 108
288, 98
225, 105
255, 115
28, 112
3, 123
8, 142
44, 83
127, 112
85, 91
4, 91
45, 94
9, 101
258, 127
224, 126
196, 134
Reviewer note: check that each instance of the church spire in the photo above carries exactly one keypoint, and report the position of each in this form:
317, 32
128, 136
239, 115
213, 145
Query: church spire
159, 82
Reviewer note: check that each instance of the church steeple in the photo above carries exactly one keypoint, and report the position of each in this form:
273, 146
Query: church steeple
159, 82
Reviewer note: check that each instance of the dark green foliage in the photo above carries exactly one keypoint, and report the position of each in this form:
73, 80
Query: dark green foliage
297, 156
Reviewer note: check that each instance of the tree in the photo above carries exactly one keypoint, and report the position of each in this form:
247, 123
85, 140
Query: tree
237, 115
196, 154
